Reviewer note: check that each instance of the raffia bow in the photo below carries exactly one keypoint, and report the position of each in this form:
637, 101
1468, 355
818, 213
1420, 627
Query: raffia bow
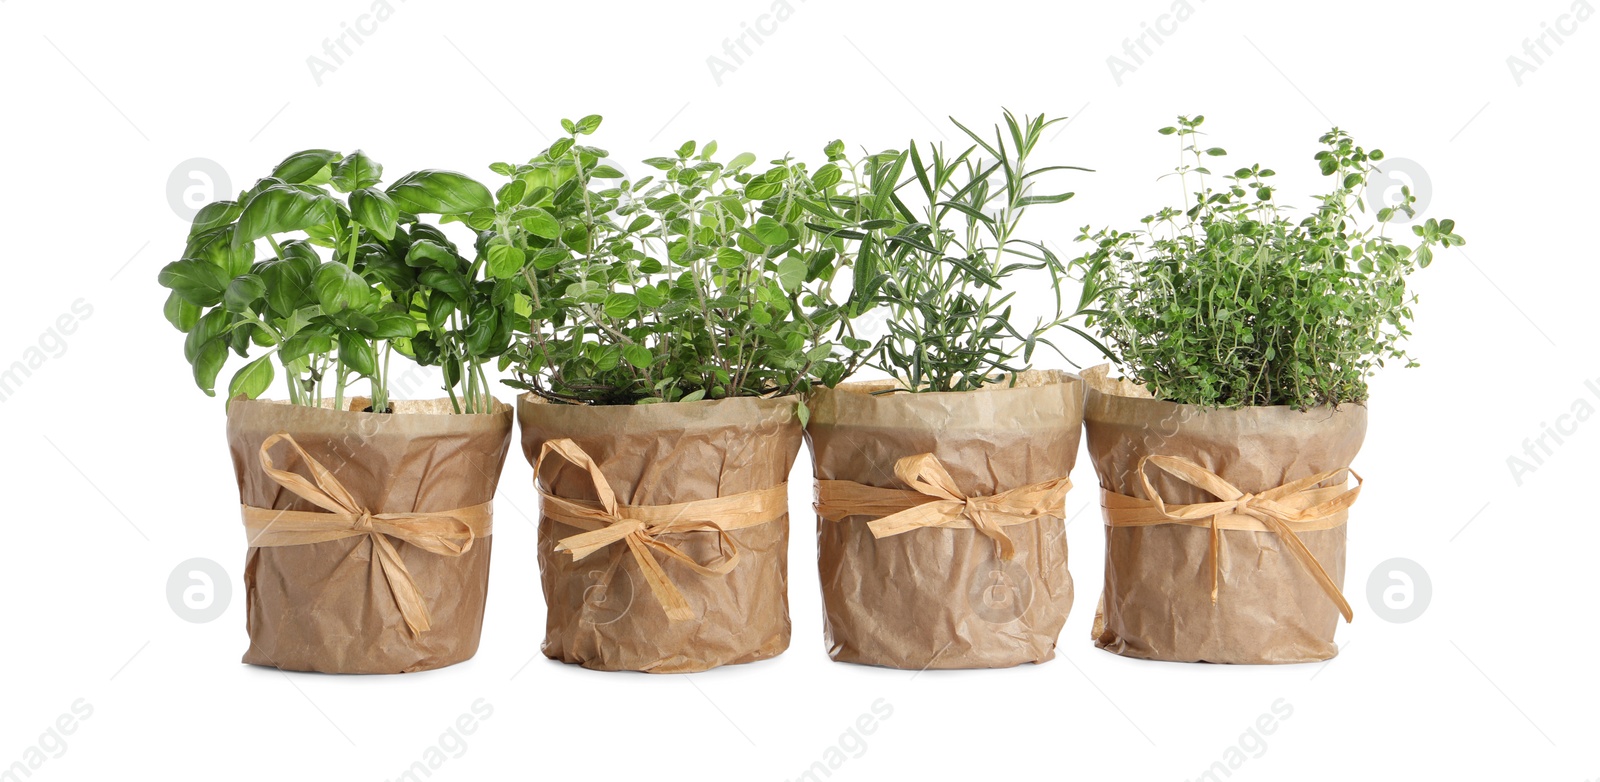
447, 533
608, 521
1302, 505
934, 500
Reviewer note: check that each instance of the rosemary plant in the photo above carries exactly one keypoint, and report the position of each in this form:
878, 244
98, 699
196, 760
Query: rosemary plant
941, 250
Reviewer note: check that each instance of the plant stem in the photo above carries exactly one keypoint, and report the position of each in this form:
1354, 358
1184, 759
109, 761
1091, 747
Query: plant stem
338, 387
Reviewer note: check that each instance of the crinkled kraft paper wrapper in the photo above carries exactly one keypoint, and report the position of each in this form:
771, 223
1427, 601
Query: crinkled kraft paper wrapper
327, 606
1157, 602
941, 597
601, 613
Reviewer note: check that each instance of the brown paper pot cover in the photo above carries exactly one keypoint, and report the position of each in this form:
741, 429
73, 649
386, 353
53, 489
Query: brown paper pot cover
601, 613
936, 597
1157, 600
327, 606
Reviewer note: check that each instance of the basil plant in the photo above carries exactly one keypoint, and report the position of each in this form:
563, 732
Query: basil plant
321, 272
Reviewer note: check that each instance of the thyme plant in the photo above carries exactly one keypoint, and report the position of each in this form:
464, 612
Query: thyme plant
1230, 301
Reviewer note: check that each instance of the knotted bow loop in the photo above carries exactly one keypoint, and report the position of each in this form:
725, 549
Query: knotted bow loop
607, 522
447, 533
934, 500
1302, 503
326, 493
925, 474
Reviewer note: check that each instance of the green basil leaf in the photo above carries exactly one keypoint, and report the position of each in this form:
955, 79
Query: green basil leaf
211, 326
357, 354
339, 288
391, 272
282, 209
180, 312
426, 252
200, 283
356, 172
312, 167
424, 349
374, 210
394, 325
440, 192
440, 308
208, 363
480, 332
305, 343
253, 379
450, 283
243, 292
213, 216
288, 284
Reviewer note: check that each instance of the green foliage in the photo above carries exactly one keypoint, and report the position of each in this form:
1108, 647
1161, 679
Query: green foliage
1230, 302
391, 284
938, 244
700, 281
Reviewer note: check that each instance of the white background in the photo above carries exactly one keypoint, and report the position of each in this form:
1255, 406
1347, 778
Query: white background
116, 468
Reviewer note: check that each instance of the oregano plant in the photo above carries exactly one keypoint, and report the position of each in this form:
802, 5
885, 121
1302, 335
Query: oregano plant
1231, 300
702, 280
349, 276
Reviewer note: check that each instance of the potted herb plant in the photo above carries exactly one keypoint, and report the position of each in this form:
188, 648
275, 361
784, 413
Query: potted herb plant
675, 320
941, 490
1245, 336
368, 518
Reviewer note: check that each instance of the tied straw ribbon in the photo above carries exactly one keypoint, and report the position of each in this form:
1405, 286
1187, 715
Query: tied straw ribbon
607, 521
1301, 504
934, 500
448, 533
